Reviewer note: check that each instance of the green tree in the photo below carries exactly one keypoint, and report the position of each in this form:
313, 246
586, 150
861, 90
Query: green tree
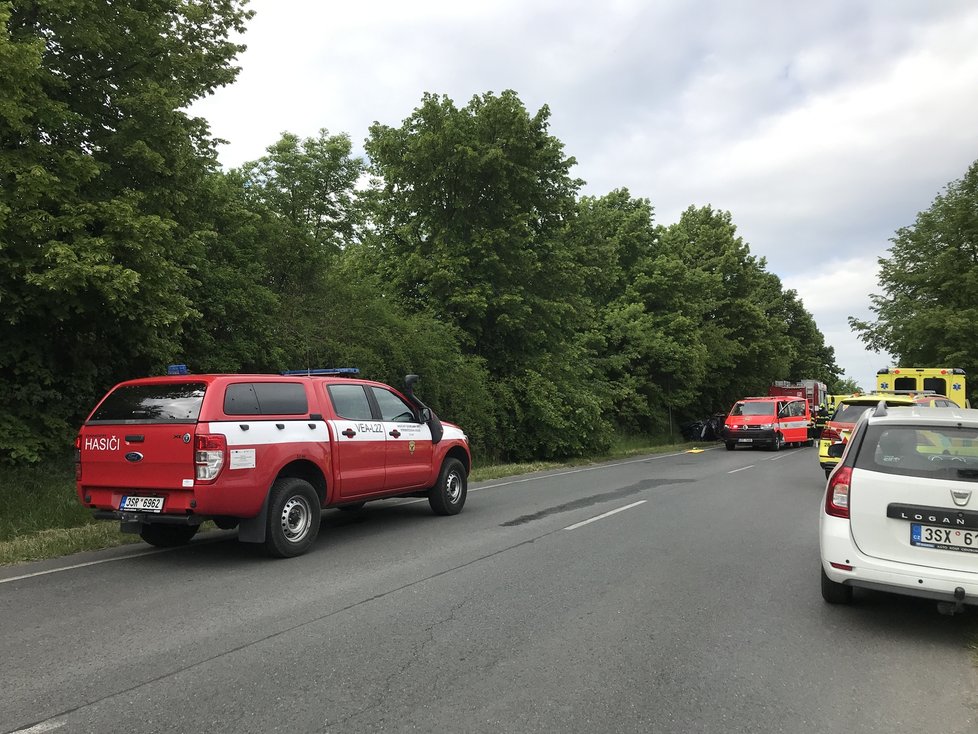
610, 234
469, 216
308, 186
100, 168
331, 308
646, 331
737, 306
927, 312
303, 191
843, 386
239, 322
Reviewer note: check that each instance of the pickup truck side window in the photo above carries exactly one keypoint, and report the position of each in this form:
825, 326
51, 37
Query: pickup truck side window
240, 399
392, 408
265, 398
282, 398
350, 402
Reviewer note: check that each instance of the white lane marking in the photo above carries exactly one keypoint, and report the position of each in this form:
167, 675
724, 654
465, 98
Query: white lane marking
607, 514
108, 560
734, 471
49, 725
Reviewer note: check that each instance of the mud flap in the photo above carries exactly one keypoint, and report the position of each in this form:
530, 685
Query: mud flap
252, 529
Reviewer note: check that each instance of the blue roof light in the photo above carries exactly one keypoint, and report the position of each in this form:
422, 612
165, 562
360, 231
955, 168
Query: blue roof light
177, 369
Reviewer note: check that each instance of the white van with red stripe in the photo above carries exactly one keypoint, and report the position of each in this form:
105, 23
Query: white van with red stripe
265, 453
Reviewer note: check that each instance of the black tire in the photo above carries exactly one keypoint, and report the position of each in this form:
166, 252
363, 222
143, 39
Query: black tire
730, 445
352, 508
827, 473
777, 443
835, 593
447, 497
167, 536
293, 518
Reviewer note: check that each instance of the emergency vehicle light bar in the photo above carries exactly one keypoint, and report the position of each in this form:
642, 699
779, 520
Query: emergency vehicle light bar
177, 369
911, 370
325, 371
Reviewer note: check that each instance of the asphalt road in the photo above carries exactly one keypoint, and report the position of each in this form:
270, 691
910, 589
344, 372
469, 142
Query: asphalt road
694, 607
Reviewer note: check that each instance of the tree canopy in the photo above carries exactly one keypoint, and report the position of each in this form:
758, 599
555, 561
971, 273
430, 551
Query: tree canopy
100, 170
540, 320
926, 314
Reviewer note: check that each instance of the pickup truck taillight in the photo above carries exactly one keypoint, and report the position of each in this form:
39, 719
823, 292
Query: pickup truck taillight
210, 450
837, 494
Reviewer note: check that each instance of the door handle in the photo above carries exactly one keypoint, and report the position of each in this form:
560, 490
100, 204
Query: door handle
395, 433
349, 433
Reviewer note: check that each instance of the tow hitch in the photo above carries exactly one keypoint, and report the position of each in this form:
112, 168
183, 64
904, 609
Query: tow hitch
949, 608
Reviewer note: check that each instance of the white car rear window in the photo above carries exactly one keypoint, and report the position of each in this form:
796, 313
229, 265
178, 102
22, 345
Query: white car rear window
942, 452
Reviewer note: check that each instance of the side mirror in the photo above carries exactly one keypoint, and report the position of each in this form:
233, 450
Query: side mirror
425, 415
836, 450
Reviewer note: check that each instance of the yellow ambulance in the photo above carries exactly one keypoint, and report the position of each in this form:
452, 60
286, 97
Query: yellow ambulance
946, 381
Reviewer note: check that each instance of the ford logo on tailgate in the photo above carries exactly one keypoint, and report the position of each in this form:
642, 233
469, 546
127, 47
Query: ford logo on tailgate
134, 456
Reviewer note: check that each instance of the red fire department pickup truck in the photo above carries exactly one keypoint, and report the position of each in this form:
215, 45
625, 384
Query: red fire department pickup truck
266, 453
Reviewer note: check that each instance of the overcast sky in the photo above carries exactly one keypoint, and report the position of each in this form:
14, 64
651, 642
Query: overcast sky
822, 127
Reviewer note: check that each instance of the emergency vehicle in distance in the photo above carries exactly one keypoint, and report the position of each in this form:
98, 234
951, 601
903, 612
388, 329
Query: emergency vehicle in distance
266, 453
946, 381
812, 390
767, 421
815, 391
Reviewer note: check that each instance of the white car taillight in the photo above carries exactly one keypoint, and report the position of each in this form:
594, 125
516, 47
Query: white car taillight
837, 494
209, 454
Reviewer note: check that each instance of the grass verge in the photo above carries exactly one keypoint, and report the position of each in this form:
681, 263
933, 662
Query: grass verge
63, 542
40, 516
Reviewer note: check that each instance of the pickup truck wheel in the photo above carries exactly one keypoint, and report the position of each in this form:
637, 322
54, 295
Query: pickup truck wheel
448, 495
293, 517
167, 536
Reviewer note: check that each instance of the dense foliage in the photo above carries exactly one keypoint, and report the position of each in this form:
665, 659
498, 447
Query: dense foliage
928, 310
541, 320
100, 175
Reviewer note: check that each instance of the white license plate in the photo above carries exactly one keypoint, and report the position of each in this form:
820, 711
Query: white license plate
927, 536
141, 504
745, 440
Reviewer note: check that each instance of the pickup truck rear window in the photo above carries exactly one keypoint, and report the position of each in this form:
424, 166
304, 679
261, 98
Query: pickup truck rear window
171, 402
